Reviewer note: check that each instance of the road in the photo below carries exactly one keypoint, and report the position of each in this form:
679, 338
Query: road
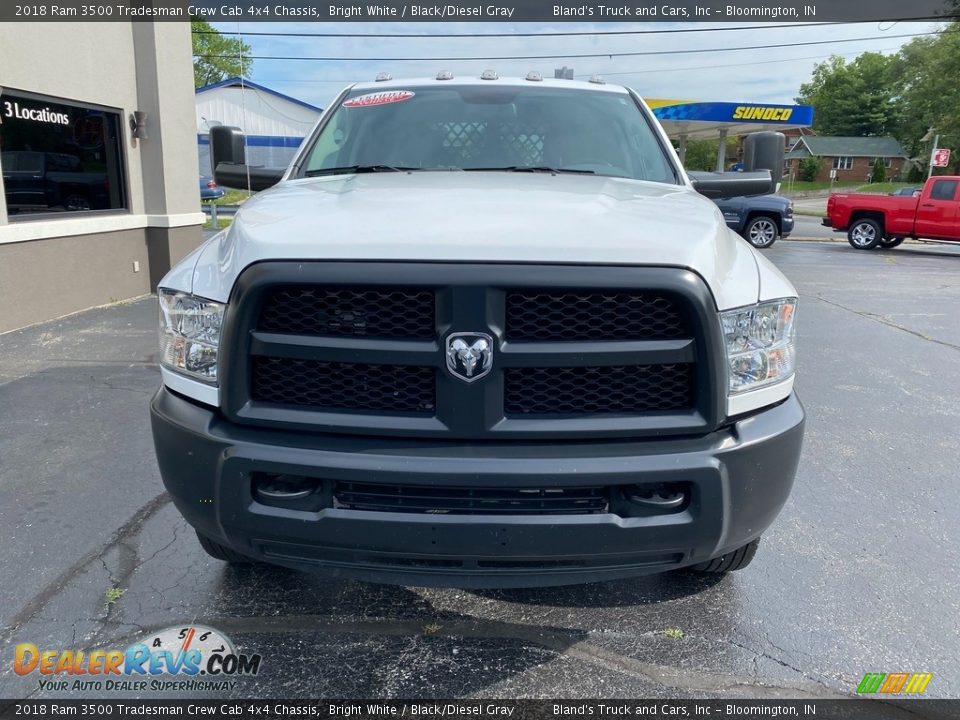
858, 574
810, 228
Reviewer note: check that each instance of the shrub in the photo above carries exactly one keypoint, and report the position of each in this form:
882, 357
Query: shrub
808, 169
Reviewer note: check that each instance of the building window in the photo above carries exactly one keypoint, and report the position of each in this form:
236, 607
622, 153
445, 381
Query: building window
887, 162
842, 163
59, 157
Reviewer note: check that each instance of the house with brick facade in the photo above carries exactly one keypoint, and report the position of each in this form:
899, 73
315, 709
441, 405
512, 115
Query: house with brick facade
852, 157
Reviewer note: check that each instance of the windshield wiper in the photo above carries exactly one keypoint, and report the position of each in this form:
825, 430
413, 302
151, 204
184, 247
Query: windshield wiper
357, 169
532, 169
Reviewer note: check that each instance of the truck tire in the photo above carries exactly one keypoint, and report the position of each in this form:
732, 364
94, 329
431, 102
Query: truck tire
889, 243
864, 234
761, 231
731, 561
222, 552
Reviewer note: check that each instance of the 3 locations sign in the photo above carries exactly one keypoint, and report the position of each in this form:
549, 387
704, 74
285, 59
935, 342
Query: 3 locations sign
12, 109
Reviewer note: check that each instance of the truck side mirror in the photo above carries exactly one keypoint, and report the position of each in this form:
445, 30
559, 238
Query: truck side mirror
765, 151
228, 158
226, 146
718, 186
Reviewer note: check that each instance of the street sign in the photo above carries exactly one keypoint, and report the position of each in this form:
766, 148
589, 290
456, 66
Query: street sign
833, 174
941, 157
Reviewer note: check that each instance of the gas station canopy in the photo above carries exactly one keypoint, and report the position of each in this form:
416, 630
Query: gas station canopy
691, 119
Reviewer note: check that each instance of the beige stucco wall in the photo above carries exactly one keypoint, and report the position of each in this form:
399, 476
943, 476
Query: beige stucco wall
54, 266
71, 273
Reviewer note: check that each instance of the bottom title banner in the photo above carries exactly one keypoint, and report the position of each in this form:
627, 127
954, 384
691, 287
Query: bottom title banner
854, 709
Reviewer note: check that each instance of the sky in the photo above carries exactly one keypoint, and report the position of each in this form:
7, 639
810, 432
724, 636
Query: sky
765, 75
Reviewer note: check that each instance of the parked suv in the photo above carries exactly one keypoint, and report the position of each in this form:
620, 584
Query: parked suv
481, 332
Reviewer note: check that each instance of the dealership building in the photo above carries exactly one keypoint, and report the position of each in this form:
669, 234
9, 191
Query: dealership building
99, 153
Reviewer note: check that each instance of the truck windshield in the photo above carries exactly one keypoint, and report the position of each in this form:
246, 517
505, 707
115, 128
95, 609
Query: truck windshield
480, 128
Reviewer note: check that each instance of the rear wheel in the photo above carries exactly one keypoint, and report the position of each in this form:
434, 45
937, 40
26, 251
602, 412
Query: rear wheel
731, 561
761, 231
222, 552
865, 234
891, 242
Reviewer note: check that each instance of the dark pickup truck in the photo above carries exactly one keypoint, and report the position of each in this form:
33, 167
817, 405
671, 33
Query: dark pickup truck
760, 220
37, 181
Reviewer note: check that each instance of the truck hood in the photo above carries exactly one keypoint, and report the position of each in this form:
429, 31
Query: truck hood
480, 217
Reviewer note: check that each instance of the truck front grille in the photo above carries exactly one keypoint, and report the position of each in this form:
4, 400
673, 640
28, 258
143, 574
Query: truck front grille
358, 312
579, 352
470, 500
578, 390
584, 316
344, 386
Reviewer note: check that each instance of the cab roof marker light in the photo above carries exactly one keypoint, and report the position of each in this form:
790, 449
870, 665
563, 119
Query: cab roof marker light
489, 75
534, 76
597, 80
383, 77
444, 75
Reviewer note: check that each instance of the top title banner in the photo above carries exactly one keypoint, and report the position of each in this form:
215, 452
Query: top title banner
478, 11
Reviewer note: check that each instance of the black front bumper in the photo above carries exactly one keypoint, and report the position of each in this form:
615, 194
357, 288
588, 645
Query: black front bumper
739, 477
787, 225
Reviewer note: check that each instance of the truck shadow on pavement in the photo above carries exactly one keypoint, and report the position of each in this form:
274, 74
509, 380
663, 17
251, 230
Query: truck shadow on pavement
646, 590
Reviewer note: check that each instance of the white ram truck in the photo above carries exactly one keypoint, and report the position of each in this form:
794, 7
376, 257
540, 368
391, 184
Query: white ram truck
481, 332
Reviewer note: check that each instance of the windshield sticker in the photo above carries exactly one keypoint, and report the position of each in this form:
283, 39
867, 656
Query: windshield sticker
379, 98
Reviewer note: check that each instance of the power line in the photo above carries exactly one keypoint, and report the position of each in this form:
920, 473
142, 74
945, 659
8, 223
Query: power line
570, 33
574, 56
564, 33
335, 81
730, 65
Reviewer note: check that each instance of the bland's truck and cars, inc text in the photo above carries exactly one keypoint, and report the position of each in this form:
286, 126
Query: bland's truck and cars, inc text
507, 351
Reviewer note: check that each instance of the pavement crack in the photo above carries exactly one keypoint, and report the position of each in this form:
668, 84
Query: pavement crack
51, 590
884, 320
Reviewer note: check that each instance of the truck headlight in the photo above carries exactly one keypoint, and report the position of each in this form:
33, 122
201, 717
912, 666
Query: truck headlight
190, 334
760, 343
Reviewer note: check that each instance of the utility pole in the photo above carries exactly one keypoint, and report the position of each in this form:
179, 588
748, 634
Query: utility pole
933, 152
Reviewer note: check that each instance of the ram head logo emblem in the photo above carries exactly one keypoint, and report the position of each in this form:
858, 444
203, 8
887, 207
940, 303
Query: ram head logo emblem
469, 355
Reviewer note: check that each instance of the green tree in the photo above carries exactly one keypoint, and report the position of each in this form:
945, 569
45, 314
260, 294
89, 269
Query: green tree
879, 172
702, 154
216, 57
926, 79
855, 98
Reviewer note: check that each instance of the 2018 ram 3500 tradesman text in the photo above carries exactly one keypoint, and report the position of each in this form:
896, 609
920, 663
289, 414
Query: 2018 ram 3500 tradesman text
481, 332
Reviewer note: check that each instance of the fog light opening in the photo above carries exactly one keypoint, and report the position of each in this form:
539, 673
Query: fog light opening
295, 492
658, 497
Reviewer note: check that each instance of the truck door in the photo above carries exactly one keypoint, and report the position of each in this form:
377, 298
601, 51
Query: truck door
938, 212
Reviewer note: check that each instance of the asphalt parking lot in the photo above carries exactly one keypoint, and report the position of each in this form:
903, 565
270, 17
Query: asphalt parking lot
859, 574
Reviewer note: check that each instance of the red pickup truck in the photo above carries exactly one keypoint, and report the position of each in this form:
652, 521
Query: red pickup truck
886, 220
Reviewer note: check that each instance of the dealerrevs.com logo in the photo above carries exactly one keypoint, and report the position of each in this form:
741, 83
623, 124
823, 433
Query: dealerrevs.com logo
894, 683
187, 658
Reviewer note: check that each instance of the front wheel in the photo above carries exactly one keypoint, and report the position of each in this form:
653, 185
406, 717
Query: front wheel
730, 562
865, 234
761, 231
891, 242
